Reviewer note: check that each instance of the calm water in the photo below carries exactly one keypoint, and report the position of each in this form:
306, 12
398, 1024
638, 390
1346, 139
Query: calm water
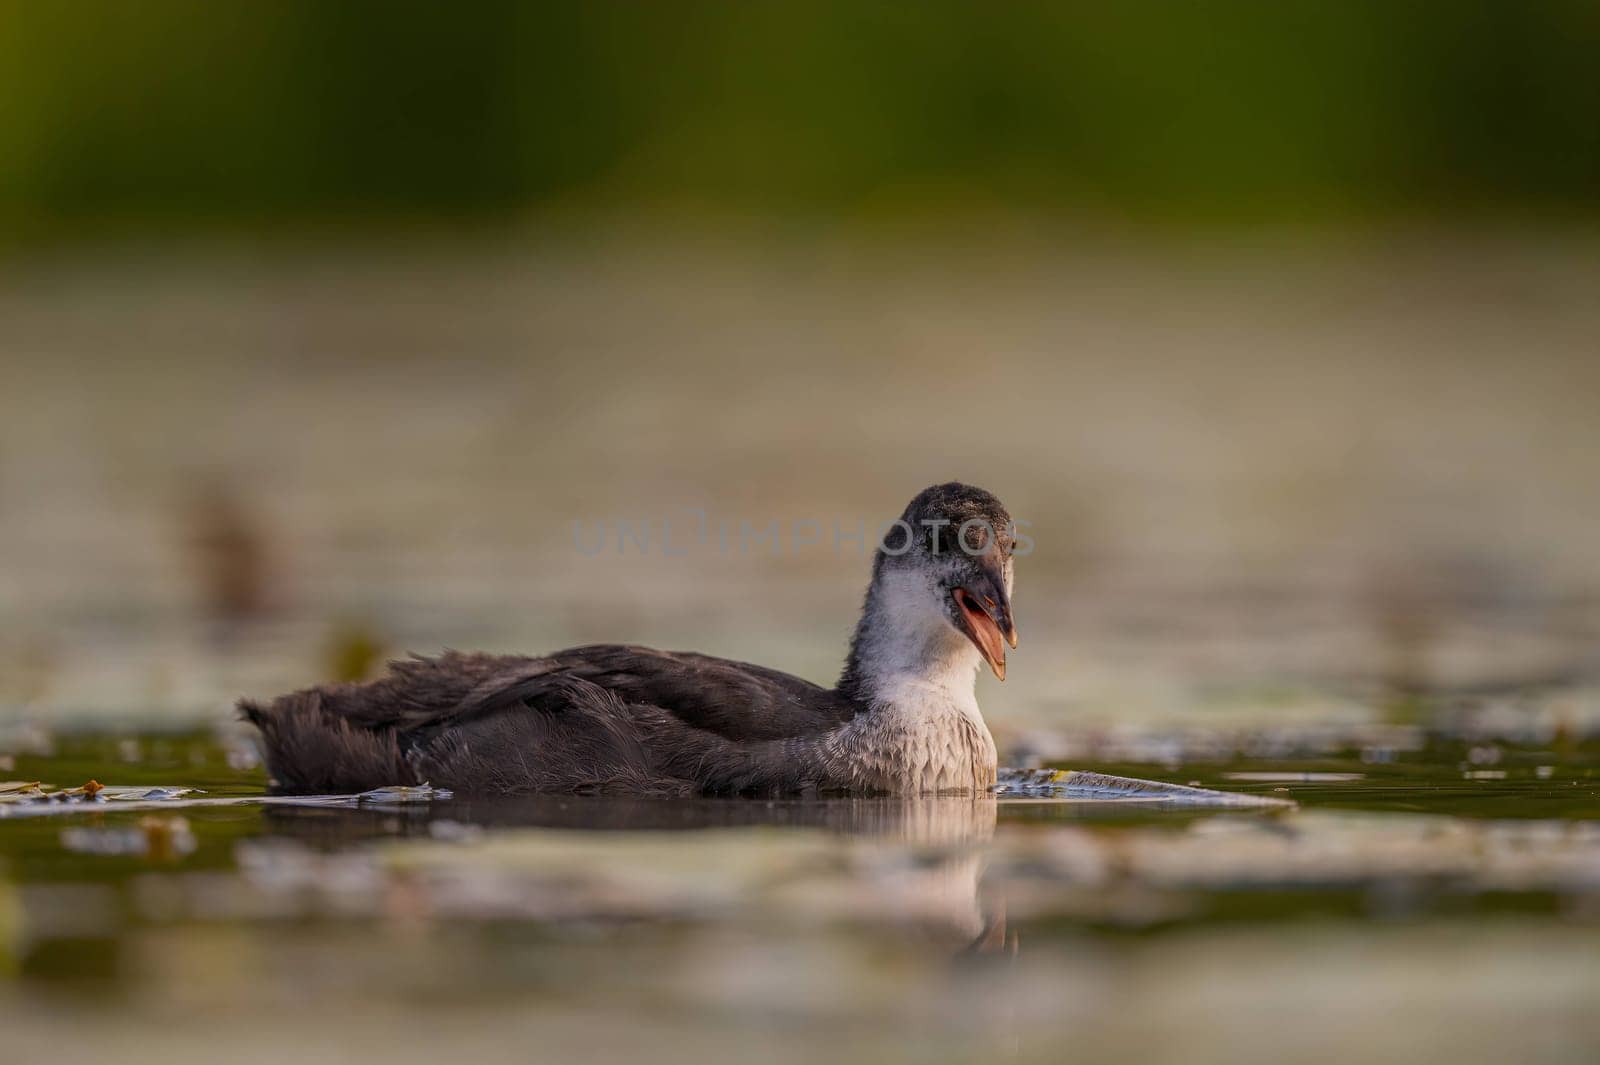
1447, 897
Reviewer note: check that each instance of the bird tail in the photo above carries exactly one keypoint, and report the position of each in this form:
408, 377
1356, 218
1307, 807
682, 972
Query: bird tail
311, 750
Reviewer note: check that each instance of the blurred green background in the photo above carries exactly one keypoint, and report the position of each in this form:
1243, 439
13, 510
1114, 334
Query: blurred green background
192, 114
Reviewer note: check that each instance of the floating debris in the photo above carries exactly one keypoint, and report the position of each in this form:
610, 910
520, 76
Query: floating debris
29, 798
393, 795
18, 797
1076, 785
401, 793
16, 793
151, 794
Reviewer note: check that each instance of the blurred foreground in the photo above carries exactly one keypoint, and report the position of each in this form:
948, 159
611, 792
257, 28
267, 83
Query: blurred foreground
1402, 904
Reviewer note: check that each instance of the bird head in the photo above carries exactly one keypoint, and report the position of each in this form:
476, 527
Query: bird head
956, 542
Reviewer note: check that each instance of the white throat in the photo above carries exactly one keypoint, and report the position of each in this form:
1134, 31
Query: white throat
909, 655
924, 733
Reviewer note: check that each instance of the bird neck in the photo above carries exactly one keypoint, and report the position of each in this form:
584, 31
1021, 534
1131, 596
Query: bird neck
905, 651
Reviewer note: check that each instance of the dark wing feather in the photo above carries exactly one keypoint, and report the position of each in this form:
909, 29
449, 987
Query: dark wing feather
735, 700
732, 699
602, 717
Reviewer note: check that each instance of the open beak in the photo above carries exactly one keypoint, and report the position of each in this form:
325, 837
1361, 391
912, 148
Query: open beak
985, 612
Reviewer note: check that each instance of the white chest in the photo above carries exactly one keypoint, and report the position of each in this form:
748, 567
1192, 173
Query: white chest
921, 739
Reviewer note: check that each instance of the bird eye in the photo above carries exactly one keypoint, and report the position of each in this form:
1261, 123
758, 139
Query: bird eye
974, 536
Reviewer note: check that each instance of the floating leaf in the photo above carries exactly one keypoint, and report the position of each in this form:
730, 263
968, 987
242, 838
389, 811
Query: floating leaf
19, 791
1081, 785
401, 793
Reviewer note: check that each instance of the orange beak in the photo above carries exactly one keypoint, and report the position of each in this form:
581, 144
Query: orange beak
984, 610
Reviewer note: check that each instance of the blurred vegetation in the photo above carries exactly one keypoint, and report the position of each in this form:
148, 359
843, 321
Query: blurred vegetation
198, 114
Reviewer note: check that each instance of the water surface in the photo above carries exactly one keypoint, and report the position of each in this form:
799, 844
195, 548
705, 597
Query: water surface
1449, 894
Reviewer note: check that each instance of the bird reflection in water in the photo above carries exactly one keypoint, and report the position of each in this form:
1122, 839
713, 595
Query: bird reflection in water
916, 863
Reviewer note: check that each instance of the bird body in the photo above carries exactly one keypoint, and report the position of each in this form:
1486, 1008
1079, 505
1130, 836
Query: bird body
611, 718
